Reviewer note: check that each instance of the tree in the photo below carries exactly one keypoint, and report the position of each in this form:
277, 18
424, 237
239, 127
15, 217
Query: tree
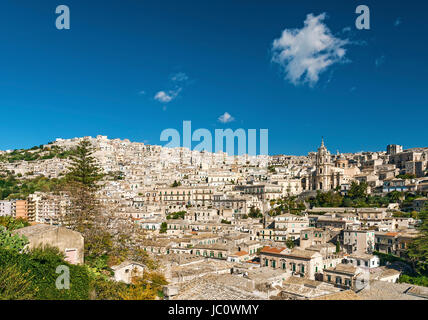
147, 287
358, 190
15, 284
163, 227
290, 244
327, 199
394, 196
255, 213
11, 242
11, 223
418, 248
84, 212
406, 176
176, 184
337, 246
84, 168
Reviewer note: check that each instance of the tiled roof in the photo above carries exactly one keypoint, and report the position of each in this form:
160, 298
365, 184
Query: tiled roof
240, 253
268, 249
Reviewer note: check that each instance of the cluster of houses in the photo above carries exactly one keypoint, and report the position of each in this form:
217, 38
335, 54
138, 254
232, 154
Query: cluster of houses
206, 215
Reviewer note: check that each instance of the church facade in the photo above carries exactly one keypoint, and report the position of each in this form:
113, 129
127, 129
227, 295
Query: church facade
328, 174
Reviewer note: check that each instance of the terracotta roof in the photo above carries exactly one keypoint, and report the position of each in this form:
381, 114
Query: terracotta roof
391, 234
268, 249
342, 295
240, 253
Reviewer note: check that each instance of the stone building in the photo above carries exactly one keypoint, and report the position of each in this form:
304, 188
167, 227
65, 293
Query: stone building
327, 175
127, 270
69, 242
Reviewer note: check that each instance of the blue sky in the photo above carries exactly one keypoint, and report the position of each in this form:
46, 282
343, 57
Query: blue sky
130, 69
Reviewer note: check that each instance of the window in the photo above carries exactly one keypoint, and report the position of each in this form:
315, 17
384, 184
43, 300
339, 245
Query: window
338, 280
329, 278
284, 265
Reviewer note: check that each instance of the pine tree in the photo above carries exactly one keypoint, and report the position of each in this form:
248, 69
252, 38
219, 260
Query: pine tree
337, 246
84, 168
418, 248
84, 212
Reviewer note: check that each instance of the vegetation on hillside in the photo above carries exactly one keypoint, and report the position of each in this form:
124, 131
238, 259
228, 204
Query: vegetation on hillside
31, 274
13, 188
36, 153
357, 197
255, 213
287, 205
416, 255
176, 215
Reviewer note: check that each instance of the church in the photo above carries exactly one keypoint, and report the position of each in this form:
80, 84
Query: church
328, 175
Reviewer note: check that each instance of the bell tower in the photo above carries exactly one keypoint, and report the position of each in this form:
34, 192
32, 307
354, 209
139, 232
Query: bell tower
322, 179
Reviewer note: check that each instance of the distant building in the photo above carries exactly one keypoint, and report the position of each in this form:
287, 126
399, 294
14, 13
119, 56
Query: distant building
344, 276
392, 149
5, 208
69, 242
127, 270
21, 209
14, 208
327, 175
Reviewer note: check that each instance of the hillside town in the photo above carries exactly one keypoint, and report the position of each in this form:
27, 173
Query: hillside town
326, 226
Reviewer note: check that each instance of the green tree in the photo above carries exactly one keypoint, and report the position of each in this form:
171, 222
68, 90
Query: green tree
10, 241
290, 244
358, 190
176, 184
163, 227
84, 168
10, 223
255, 213
15, 284
418, 248
84, 212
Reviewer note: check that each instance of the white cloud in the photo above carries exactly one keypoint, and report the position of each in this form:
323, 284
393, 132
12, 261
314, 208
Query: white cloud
305, 53
225, 118
397, 22
162, 96
346, 29
177, 81
179, 77
165, 97
142, 92
380, 61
